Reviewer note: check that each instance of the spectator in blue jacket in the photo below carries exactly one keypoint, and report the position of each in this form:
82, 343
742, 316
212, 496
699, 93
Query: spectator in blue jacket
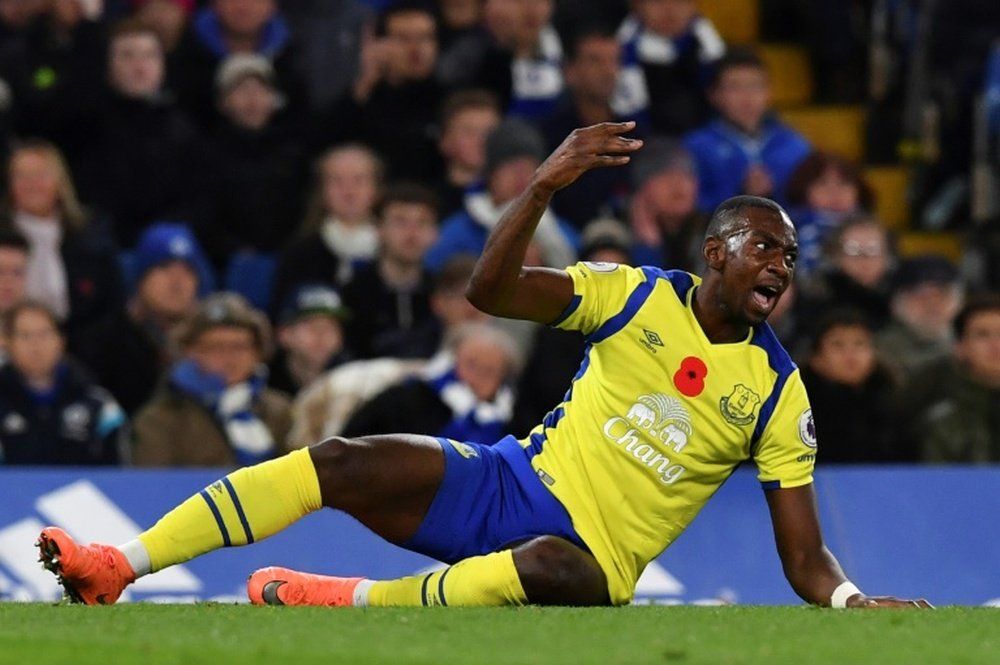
745, 150
50, 411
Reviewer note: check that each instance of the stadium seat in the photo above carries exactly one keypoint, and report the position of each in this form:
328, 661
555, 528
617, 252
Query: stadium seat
738, 21
791, 76
251, 276
912, 243
890, 185
838, 129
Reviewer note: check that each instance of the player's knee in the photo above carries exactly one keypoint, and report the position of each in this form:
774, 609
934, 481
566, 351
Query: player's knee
554, 571
339, 465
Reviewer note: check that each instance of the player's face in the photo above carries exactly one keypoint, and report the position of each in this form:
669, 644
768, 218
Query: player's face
228, 352
760, 261
845, 355
979, 347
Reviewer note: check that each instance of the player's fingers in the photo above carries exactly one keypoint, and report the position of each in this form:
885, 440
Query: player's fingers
612, 160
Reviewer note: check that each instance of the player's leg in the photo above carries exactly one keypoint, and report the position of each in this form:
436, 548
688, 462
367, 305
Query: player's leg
387, 482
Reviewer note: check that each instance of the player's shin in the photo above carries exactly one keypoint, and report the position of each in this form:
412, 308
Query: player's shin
245, 506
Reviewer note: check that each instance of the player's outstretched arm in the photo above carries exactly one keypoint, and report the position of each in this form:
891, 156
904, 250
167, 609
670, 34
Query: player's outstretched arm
809, 566
500, 284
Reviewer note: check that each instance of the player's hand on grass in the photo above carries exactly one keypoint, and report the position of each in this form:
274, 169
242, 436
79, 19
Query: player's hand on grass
877, 602
584, 149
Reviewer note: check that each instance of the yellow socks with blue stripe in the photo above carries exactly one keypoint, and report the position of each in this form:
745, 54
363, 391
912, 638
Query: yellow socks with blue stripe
483, 581
245, 506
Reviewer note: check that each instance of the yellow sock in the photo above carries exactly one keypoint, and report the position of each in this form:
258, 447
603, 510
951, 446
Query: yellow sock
482, 581
245, 506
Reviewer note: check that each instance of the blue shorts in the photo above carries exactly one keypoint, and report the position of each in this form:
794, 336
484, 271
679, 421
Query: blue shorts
490, 499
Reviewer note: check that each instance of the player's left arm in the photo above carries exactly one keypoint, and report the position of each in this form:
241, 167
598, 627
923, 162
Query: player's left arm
809, 566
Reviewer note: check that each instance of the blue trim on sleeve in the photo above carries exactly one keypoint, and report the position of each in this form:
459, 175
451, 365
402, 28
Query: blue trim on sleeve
635, 301
218, 518
239, 510
782, 364
573, 305
681, 281
553, 417
771, 485
537, 442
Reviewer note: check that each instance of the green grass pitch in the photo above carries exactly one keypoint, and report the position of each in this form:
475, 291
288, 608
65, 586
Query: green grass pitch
214, 634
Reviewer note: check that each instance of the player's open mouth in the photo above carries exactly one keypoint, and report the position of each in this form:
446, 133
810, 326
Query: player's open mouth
765, 297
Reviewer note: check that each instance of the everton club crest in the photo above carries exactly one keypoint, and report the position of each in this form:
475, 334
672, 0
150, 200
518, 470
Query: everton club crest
738, 406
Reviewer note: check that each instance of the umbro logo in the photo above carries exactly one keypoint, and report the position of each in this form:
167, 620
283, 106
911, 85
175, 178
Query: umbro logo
651, 340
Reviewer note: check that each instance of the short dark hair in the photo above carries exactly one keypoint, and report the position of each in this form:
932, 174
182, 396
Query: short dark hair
839, 317
469, 98
815, 165
729, 213
573, 42
13, 239
9, 319
407, 192
975, 305
133, 26
737, 58
403, 7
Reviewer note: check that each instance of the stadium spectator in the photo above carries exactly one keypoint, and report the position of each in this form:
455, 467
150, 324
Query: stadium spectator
579, 539
142, 150
215, 408
168, 17
926, 296
745, 150
14, 250
952, 407
130, 350
51, 413
663, 210
857, 267
591, 70
850, 391
394, 102
16, 15
338, 230
225, 27
514, 149
668, 55
322, 410
255, 171
463, 39
823, 191
329, 35
467, 117
390, 298
53, 65
71, 266
464, 394
310, 338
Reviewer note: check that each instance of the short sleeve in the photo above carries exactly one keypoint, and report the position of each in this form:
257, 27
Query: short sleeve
600, 291
786, 452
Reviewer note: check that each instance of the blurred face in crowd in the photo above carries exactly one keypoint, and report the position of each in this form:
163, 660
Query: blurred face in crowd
460, 14
979, 346
742, 96
17, 13
250, 103
481, 364
863, 254
228, 352
13, 271
928, 308
666, 17
35, 345
464, 138
136, 64
166, 17
312, 339
832, 191
169, 290
244, 18
406, 231
845, 354
671, 194
411, 37
350, 184
511, 178
517, 23
593, 73
453, 309
34, 183
67, 12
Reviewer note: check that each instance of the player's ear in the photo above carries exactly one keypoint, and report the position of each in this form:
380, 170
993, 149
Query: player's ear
714, 251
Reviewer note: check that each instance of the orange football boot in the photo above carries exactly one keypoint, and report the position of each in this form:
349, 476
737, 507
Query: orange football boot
90, 574
281, 586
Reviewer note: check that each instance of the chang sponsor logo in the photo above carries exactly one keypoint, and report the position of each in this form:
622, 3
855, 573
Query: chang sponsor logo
658, 417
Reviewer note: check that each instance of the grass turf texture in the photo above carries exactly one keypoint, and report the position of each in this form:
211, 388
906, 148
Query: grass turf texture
245, 635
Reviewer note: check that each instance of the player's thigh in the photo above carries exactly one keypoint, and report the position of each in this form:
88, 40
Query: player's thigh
387, 482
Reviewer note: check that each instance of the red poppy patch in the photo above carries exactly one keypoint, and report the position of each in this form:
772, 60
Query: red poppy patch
690, 378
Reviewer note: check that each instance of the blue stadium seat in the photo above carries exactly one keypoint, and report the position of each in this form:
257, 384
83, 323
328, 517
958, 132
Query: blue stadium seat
251, 275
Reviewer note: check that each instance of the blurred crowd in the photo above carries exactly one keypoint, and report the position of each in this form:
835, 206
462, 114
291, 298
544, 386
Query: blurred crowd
231, 228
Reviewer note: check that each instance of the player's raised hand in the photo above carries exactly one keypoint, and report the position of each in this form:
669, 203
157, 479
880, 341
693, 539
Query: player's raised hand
584, 149
879, 602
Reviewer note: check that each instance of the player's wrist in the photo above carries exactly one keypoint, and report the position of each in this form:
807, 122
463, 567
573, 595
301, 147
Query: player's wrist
843, 593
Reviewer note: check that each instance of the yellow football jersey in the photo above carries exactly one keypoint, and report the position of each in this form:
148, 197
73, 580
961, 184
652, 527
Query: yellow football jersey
658, 417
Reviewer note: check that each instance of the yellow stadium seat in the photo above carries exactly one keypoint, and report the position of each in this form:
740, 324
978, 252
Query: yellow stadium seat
838, 129
738, 21
892, 205
791, 75
912, 243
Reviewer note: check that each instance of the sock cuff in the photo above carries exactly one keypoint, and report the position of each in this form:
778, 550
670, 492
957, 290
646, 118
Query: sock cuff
306, 479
